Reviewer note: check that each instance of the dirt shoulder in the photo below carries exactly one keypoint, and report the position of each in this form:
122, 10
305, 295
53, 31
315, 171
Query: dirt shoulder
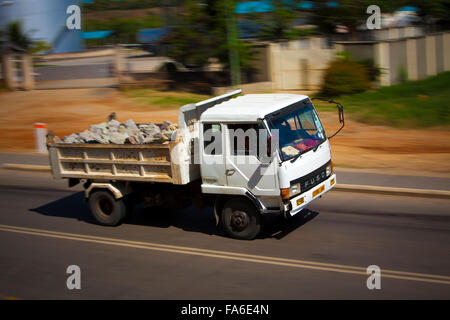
357, 146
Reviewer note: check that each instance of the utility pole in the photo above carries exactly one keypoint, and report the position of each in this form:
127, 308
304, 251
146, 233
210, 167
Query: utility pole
232, 43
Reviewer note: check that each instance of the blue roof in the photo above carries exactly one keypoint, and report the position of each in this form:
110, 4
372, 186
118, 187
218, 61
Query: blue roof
151, 35
408, 8
95, 34
332, 4
306, 5
254, 7
264, 6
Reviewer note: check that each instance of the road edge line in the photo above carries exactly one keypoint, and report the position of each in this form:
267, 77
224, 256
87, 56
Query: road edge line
428, 193
25, 167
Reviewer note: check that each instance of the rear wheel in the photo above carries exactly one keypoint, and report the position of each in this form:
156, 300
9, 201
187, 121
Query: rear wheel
240, 219
106, 209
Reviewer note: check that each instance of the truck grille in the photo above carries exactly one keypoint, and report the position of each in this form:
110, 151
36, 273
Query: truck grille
313, 179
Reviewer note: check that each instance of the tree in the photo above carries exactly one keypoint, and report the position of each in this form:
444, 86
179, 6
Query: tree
278, 24
324, 17
100, 5
201, 33
39, 46
433, 12
16, 36
349, 13
190, 37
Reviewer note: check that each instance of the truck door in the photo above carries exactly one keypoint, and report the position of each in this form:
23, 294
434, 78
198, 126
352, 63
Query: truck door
213, 157
243, 165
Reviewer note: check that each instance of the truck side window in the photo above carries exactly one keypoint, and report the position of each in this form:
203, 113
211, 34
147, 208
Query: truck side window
244, 139
212, 139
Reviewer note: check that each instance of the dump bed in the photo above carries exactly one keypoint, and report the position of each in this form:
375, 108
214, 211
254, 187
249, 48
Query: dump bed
149, 163
172, 162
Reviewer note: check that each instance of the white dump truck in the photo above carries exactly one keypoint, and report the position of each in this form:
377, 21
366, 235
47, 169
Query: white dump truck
245, 156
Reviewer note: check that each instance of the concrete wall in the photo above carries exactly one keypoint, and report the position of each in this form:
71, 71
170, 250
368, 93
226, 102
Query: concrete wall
419, 57
260, 64
298, 65
440, 53
394, 33
255, 87
398, 63
359, 50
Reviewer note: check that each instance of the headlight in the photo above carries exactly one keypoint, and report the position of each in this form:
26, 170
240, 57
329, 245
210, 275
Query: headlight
329, 169
295, 189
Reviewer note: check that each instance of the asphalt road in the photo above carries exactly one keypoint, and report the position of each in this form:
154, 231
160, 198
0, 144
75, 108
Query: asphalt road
162, 254
345, 176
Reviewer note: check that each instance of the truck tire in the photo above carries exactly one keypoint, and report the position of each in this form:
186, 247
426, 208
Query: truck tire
240, 219
105, 209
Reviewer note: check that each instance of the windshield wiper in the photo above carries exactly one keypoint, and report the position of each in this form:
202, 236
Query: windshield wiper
300, 153
296, 157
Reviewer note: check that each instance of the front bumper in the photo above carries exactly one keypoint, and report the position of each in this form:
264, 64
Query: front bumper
296, 204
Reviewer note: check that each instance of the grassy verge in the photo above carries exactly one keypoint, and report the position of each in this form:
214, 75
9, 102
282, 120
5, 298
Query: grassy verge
161, 99
415, 104
40, 65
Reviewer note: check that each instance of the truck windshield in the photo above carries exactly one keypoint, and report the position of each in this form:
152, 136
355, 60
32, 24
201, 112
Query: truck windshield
299, 129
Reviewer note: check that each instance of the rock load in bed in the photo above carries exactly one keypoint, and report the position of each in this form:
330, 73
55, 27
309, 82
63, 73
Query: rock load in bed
114, 132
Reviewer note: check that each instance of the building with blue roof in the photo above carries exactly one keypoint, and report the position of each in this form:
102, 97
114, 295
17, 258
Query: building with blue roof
86, 35
408, 9
249, 29
44, 20
262, 6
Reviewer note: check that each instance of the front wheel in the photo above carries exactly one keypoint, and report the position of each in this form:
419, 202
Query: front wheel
106, 209
240, 219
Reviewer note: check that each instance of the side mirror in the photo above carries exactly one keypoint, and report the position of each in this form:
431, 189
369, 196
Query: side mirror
340, 112
271, 152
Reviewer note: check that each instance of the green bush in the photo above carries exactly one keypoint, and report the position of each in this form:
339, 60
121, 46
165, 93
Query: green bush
344, 76
372, 68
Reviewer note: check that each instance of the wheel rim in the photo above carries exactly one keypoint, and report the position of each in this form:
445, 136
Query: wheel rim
105, 205
239, 221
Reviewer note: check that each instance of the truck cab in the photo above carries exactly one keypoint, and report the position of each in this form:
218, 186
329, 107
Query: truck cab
261, 154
